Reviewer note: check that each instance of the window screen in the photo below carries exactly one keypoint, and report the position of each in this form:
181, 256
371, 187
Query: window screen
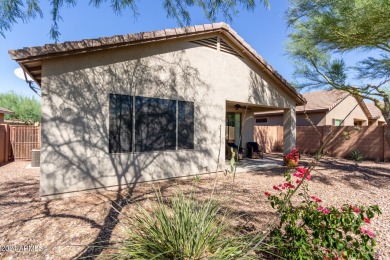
120, 123
185, 125
155, 124
261, 120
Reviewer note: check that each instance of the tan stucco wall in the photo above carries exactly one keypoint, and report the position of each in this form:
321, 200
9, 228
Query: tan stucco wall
75, 90
317, 118
348, 108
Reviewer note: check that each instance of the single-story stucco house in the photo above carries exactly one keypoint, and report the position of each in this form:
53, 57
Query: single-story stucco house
149, 106
327, 107
376, 114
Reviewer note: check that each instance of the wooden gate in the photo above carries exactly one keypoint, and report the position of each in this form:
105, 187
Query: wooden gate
23, 140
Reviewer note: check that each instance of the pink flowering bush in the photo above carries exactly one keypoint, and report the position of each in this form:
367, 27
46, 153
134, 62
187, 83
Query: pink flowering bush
310, 229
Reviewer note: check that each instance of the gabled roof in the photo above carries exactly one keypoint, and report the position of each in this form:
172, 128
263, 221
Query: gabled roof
5, 111
30, 59
318, 101
375, 112
323, 100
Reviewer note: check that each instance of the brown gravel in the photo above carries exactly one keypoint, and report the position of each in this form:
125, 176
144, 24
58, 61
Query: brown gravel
68, 226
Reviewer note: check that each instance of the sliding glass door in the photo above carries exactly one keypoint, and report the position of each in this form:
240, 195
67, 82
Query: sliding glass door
233, 127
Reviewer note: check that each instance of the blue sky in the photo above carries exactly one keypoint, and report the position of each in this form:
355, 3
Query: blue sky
265, 30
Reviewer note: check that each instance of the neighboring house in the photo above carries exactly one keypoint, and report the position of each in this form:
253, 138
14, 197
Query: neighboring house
3, 112
149, 106
376, 114
333, 107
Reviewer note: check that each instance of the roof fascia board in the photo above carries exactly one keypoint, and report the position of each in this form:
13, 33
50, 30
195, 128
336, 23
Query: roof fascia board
248, 52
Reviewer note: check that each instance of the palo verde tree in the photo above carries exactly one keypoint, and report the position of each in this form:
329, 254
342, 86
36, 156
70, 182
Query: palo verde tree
25, 109
323, 30
12, 11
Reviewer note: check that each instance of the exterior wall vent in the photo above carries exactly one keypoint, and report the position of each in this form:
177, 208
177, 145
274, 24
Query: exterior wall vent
217, 43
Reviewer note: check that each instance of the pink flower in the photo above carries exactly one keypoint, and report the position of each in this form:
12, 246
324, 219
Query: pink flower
302, 170
308, 177
288, 185
324, 210
318, 200
298, 174
356, 209
267, 194
368, 232
275, 188
297, 181
367, 220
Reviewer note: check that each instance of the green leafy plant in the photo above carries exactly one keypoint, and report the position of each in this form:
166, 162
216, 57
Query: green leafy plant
24, 109
187, 229
197, 178
356, 155
310, 230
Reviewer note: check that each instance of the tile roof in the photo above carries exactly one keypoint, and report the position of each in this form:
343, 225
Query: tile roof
30, 58
323, 100
375, 112
317, 101
5, 111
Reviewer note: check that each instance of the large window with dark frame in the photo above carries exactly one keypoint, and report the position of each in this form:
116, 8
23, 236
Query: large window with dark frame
142, 124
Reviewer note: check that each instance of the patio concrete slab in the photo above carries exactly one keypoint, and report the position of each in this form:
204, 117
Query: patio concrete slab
251, 165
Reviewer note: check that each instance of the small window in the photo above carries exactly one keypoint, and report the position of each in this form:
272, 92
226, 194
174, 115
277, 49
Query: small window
141, 124
186, 125
337, 122
120, 123
261, 120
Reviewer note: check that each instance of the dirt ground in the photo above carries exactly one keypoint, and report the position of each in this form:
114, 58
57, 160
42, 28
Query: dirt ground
81, 226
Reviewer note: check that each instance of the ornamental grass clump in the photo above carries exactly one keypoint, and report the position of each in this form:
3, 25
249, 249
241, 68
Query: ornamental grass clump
186, 229
310, 229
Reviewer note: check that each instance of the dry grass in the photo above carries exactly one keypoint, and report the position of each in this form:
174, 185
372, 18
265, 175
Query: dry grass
68, 228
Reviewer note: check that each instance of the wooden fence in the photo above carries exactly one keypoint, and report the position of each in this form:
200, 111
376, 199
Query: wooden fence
5, 144
369, 140
23, 140
17, 141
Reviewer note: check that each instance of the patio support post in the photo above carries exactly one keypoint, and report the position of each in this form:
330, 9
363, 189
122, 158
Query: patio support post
289, 130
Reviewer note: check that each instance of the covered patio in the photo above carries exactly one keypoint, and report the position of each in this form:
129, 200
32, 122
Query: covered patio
239, 130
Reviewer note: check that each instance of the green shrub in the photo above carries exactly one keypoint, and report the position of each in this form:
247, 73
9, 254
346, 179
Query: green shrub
26, 109
310, 230
356, 155
188, 229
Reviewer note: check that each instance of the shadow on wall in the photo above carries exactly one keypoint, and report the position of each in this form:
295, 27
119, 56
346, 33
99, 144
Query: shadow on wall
261, 94
269, 137
75, 132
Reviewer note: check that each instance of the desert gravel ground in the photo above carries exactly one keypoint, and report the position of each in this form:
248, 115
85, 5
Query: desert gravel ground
81, 226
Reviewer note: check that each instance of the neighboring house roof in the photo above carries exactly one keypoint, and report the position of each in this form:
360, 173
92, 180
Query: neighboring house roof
30, 59
319, 101
375, 112
5, 111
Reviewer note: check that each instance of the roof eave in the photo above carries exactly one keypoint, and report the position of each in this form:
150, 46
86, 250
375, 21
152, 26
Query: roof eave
34, 54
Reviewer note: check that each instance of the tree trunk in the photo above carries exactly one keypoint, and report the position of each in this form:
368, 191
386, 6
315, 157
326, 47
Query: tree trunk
387, 134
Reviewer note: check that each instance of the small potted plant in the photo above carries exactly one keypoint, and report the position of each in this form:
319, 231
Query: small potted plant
291, 160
